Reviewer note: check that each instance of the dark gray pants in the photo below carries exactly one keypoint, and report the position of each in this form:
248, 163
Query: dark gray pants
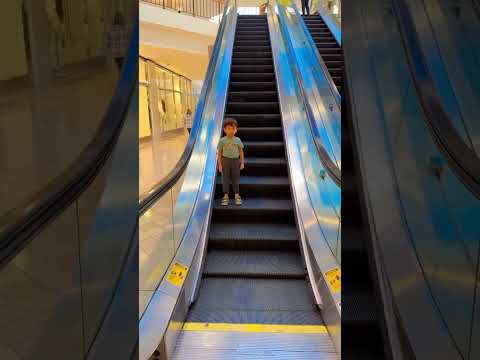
230, 174
305, 7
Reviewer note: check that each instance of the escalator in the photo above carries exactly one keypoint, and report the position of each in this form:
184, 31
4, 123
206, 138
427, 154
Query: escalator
415, 179
63, 295
253, 272
327, 46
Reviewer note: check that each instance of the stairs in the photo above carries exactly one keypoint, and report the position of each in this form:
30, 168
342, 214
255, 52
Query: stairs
253, 270
327, 46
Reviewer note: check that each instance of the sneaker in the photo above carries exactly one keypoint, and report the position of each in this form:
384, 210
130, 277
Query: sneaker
238, 200
225, 200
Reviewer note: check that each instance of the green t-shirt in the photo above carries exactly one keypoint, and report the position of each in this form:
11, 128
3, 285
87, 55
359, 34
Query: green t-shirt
230, 147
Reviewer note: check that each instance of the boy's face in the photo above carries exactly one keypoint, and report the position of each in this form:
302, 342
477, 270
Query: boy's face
230, 130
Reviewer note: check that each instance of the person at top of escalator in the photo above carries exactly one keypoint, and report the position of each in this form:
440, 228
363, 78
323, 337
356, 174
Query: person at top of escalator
230, 160
305, 7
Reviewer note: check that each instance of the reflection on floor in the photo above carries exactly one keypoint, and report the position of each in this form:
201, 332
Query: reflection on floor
43, 130
159, 156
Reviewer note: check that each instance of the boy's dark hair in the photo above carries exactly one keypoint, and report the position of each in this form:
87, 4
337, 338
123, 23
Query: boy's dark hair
230, 122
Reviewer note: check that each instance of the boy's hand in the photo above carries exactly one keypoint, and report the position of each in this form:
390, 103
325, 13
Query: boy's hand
220, 168
242, 166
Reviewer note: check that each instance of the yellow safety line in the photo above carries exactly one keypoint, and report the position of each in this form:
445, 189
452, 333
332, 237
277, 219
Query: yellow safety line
255, 328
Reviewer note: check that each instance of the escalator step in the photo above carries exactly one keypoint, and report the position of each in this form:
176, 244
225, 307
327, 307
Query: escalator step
252, 54
255, 295
249, 31
251, 61
253, 86
258, 264
258, 186
333, 63
238, 96
251, 120
320, 32
265, 167
253, 107
252, 77
290, 317
252, 26
252, 36
326, 44
264, 148
252, 96
255, 42
268, 209
337, 79
335, 72
260, 133
251, 48
329, 50
253, 236
252, 68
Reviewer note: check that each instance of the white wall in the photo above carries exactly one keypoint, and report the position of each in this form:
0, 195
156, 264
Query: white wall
157, 15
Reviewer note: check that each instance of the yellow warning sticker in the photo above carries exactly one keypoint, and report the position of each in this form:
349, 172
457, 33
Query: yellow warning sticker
177, 274
334, 278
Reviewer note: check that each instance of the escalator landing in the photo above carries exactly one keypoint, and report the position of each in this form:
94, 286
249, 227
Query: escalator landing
254, 341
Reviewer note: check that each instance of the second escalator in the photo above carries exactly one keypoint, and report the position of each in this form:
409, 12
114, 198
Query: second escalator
328, 48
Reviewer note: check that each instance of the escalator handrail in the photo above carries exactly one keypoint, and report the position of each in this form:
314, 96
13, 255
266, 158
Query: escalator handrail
20, 225
148, 198
462, 159
332, 169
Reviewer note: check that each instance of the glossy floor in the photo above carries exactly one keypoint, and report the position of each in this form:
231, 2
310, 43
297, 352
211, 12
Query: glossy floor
158, 156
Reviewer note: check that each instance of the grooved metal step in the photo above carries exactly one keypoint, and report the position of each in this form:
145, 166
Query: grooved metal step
264, 149
270, 210
258, 186
258, 264
260, 133
251, 120
252, 77
237, 96
259, 107
254, 295
265, 166
253, 86
252, 61
252, 68
253, 236
251, 54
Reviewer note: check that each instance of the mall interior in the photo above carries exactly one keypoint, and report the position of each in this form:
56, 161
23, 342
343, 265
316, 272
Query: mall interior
360, 186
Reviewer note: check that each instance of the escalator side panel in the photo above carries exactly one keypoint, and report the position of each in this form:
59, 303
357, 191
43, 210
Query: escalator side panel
390, 180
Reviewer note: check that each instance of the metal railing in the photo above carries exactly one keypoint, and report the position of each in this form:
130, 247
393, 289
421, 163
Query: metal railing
210, 9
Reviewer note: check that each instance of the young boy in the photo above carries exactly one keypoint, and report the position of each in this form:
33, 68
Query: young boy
230, 160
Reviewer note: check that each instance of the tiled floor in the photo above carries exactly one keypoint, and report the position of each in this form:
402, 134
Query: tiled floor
157, 157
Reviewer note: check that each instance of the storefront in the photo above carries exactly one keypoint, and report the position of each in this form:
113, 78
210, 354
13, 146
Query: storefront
165, 97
